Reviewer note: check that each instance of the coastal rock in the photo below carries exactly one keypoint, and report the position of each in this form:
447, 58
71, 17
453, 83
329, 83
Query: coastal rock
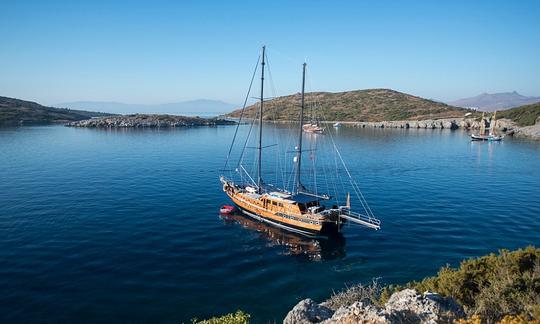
425, 124
529, 132
505, 125
406, 306
409, 306
142, 121
450, 124
359, 313
307, 311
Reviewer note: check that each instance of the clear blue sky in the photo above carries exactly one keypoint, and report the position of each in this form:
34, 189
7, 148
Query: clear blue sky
165, 51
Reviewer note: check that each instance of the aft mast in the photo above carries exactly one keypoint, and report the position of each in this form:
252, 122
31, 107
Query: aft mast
301, 131
259, 174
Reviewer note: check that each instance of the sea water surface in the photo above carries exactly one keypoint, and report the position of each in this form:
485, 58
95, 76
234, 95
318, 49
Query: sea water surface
123, 225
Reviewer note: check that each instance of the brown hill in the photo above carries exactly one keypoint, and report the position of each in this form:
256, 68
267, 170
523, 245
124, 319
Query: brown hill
19, 112
359, 105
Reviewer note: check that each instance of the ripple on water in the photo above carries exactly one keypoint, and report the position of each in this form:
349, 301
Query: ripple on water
104, 226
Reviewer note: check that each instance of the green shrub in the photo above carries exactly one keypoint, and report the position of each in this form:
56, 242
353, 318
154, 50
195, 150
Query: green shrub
239, 317
491, 286
524, 115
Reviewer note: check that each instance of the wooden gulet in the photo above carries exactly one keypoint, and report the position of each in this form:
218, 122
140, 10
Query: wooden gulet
299, 211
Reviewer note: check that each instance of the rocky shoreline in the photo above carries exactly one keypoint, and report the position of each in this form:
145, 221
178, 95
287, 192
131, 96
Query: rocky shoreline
502, 126
406, 306
149, 121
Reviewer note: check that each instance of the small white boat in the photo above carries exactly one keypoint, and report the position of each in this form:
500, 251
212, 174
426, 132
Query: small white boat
489, 137
337, 125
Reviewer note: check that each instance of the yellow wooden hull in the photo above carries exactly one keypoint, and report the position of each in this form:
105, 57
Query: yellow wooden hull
278, 216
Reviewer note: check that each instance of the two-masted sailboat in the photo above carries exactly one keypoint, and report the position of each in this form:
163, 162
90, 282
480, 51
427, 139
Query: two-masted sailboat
299, 210
313, 126
482, 136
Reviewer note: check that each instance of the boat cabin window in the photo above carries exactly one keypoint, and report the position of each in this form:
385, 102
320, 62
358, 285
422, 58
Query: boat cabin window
274, 203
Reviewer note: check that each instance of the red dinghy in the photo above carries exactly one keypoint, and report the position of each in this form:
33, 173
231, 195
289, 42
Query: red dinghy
226, 209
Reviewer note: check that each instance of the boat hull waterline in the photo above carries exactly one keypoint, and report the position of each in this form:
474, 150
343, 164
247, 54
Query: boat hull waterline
492, 138
281, 210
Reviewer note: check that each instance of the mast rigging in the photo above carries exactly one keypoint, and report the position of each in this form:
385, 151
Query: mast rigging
259, 174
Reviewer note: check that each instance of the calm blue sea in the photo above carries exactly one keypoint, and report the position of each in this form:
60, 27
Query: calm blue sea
123, 225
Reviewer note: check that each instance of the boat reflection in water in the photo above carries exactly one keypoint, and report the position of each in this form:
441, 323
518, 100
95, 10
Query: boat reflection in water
314, 249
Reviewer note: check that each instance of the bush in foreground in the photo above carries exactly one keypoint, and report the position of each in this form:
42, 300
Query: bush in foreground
491, 286
237, 318
502, 288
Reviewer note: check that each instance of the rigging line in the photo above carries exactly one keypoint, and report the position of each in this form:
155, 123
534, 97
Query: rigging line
313, 159
250, 178
325, 175
273, 112
335, 183
247, 140
242, 112
337, 173
285, 56
359, 194
270, 78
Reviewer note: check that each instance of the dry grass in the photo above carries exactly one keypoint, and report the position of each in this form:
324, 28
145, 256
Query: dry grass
363, 293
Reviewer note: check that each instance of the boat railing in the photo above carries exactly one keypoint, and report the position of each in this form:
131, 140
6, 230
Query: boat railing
360, 219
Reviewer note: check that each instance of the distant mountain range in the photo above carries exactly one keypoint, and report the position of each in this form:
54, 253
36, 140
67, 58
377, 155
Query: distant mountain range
495, 101
368, 105
21, 112
193, 107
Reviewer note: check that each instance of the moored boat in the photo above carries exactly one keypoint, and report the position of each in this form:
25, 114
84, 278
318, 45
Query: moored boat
313, 128
490, 137
299, 210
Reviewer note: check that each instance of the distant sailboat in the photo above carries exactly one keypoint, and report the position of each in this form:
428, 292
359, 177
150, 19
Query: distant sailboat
313, 126
490, 136
300, 210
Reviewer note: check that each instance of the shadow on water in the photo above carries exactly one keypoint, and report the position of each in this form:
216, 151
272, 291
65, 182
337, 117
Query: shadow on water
310, 249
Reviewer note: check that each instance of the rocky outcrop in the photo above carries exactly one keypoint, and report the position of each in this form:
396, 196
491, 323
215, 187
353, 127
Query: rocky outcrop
406, 306
502, 126
307, 311
426, 308
509, 127
453, 123
530, 132
149, 121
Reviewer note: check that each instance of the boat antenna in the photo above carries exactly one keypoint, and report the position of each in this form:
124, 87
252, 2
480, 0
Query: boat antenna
259, 177
300, 133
